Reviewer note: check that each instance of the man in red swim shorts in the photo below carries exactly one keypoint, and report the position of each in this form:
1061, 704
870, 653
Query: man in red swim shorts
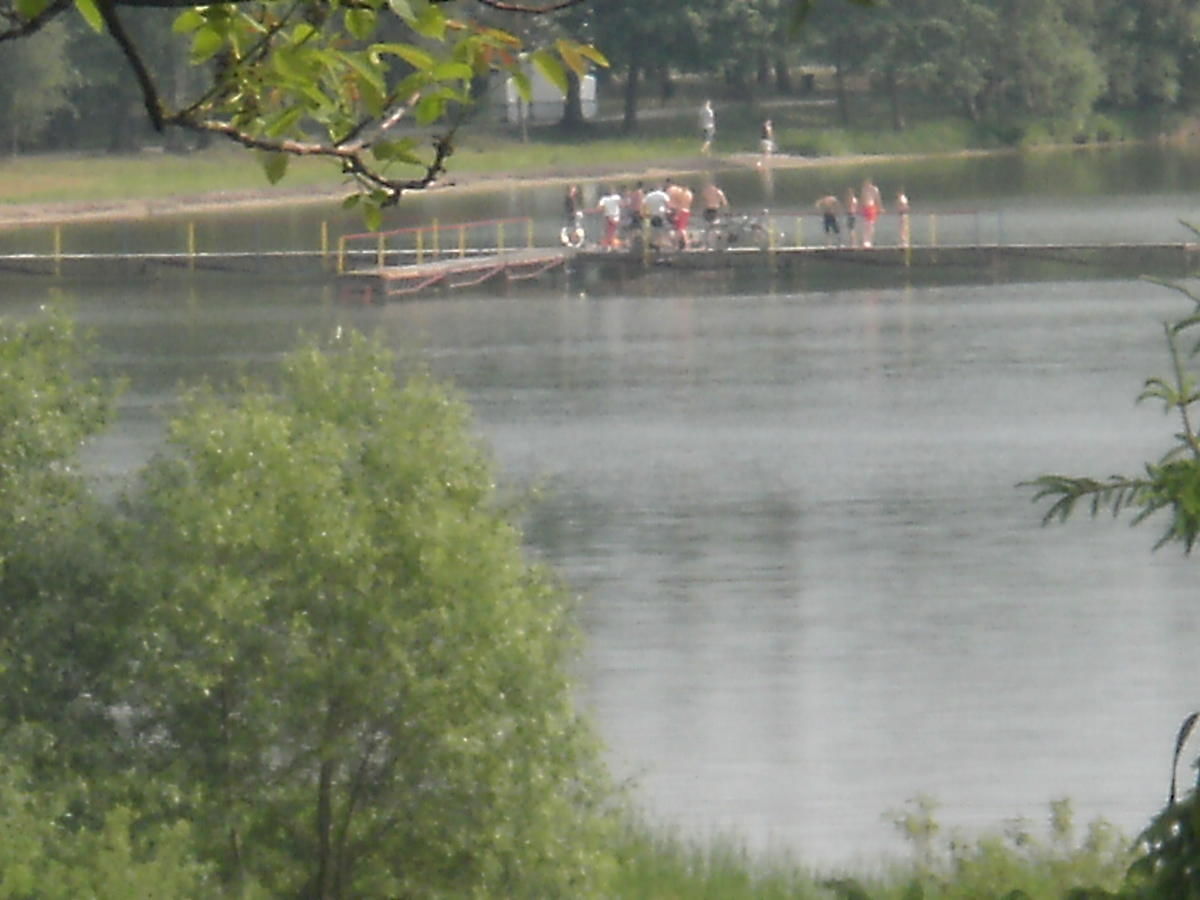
871, 206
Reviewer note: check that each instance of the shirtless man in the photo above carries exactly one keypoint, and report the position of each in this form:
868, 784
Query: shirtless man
851, 217
713, 200
681, 209
872, 206
828, 206
633, 203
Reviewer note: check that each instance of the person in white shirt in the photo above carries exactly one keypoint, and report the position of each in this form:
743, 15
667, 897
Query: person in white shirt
655, 205
609, 205
708, 125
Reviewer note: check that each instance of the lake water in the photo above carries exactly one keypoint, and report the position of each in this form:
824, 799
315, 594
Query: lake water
810, 585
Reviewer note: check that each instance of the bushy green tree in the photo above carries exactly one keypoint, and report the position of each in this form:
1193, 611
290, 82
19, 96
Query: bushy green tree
353, 680
304, 655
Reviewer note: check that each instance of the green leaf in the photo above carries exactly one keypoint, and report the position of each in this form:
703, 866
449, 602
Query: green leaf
188, 21
283, 124
550, 67
523, 85
431, 23
360, 22
31, 9
430, 108
91, 14
452, 71
205, 44
275, 165
414, 56
590, 52
372, 215
403, 9
397, 151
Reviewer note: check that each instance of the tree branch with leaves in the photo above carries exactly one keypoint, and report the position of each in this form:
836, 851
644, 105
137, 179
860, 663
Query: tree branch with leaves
1172, 484
331, 78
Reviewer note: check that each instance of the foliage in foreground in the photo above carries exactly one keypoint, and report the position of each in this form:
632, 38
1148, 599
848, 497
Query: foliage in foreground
304, 656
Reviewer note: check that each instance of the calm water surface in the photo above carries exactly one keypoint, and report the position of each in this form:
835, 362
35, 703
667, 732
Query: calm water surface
811, 588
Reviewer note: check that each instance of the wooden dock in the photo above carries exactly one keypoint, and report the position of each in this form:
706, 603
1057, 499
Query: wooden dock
393, 272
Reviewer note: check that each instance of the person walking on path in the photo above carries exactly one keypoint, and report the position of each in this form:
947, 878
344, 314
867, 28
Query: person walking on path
708, 125
872, 206
767, 143
851, 217
905, 224
828, 206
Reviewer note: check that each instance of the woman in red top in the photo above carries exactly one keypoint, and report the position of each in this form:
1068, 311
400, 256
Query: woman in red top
872, 206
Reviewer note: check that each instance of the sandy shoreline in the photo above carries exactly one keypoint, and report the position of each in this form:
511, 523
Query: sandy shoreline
36, 214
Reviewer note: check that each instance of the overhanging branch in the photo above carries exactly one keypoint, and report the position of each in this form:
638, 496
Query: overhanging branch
531, 10
145, 81
352, 158
19, 28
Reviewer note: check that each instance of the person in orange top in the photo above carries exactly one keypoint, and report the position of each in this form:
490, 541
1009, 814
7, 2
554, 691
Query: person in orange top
680, 197
872, 206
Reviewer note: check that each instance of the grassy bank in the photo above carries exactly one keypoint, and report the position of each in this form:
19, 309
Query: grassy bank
808, 131
1020, 860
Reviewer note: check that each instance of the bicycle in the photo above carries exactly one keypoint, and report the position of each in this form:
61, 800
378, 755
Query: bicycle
738, 231
572, 234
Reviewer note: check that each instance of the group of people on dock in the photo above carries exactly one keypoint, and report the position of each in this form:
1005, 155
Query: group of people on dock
867, 204
665, 209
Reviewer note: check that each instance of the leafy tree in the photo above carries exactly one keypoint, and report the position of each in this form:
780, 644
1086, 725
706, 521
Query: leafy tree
54, 603
1172, 484
348, 677
1151, 51
303, 656
34, 83
45, 854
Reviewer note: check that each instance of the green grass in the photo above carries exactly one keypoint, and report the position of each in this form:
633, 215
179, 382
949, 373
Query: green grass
1044, 864
79, 178
666, 137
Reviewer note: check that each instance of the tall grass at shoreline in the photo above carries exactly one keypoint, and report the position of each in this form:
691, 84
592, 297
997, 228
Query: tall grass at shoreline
1018, 860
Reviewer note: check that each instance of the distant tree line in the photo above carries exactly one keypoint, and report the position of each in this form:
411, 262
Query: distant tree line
995, 61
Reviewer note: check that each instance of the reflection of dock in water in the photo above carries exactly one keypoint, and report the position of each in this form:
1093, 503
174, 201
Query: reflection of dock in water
457, 272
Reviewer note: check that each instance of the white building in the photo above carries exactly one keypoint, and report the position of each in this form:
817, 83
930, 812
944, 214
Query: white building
547, 103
